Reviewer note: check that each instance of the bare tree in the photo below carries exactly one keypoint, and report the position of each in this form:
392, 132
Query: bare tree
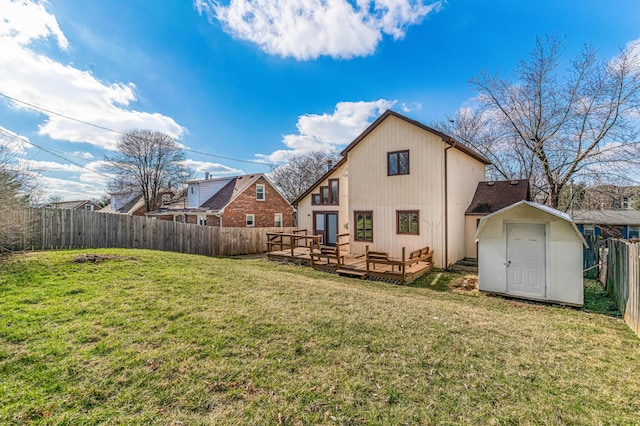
301, 171
147, 162
16, 186
551, 126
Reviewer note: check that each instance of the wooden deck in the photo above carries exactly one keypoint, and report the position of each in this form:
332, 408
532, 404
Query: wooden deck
353, 265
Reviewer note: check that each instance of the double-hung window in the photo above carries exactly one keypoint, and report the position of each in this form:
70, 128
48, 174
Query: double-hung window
260, 192
250, 220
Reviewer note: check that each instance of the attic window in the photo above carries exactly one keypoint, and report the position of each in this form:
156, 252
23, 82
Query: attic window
166, 198
260, 192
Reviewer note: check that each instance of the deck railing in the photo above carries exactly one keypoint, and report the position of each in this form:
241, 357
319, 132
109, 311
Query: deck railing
280, 241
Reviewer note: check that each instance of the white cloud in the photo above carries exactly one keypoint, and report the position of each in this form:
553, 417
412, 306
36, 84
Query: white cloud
69, 189
12, 142
410, 106
83, 155
307, 29
327, 132
214, 169
34, 78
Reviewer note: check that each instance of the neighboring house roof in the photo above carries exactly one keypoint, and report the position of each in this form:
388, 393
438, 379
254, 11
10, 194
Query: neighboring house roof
492, 196
446, 138
72, 204
607, 217
533, 204
229, 189
126, 203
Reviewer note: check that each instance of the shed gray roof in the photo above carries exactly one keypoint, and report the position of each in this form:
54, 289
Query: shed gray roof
607, 217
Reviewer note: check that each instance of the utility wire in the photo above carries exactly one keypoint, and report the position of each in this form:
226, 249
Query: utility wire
124, 133
53, 153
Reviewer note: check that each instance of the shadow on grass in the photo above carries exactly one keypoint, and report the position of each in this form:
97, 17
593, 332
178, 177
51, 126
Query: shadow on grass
438, 280
597, 300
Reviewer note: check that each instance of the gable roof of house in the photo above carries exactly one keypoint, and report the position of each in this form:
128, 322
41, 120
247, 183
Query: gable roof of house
69, 204
446, 138
128, 202
607, 217
229, 188
491, 196
323, 177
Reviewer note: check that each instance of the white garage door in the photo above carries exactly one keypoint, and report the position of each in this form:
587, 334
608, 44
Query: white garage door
526, 259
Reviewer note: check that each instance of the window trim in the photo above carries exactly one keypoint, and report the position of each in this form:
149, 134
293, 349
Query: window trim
263, 192
399, 172
589, 230
334, 198
275, 220
364, 230
202, 218
253, 220
409, 213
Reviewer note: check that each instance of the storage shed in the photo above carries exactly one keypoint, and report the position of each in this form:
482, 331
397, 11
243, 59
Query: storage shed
531, 251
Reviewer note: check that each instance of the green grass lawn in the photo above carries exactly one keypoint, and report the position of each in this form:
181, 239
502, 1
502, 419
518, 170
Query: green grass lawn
165, 338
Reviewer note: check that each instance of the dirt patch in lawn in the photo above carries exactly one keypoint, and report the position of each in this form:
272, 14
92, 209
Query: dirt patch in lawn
98, 258
464, 284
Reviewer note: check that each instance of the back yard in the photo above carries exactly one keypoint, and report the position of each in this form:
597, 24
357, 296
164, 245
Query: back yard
165, 338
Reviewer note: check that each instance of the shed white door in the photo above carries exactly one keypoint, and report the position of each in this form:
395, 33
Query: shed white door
526, 259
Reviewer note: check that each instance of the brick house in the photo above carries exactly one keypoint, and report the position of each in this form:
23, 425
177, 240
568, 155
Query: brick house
236, 201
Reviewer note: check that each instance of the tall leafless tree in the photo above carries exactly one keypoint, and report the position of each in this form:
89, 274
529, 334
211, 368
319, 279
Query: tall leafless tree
301, 171
16, 188
556, 120
147, 162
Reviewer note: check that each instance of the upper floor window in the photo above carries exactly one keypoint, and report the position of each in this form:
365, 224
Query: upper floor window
89, 207
250, 220
166, 198
408, 222
328, 194
260, 192
202, 220
398, 163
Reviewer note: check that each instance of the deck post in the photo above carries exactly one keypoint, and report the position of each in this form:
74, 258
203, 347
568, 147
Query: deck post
367, 257
404, 267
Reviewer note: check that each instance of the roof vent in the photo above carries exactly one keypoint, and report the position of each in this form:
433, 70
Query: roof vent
514, 182
490, 183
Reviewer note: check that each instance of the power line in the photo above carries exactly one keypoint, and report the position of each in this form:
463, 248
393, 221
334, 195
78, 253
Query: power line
124, 133
53, 153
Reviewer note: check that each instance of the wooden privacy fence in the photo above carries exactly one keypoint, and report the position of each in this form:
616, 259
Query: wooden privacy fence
50, 229
623, 280
591, 257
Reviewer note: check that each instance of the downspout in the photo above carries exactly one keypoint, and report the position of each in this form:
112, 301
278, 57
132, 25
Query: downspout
219, 216
446, 206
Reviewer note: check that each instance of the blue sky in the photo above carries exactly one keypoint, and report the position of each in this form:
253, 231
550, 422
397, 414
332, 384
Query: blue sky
257, 80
